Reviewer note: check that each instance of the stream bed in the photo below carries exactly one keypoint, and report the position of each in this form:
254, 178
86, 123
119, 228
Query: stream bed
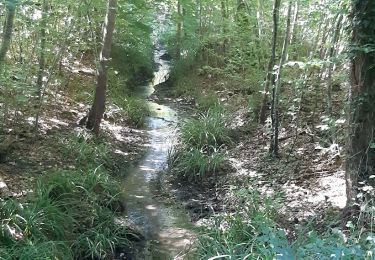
166, 227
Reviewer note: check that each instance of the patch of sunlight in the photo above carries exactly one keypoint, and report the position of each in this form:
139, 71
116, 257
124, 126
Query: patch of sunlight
151, 207
3, 184
59, 122
146, 168
117, 151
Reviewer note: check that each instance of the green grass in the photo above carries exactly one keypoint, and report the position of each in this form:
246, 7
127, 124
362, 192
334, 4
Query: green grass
84, 150
200, 154
195, 164
136, 110
252, 233
70, 215
207, 101
208, 131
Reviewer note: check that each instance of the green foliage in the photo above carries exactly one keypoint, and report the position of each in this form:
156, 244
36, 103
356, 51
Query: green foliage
136, 110
207, 101
85, 150
252, 233
202, 138
195, 164
70, 214
208, 131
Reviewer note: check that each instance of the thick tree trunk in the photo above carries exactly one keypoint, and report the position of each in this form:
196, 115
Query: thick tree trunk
274, 146
8, 30
270, 75
361, 153
98, 106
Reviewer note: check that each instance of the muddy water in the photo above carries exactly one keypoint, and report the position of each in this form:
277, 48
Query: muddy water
166, 226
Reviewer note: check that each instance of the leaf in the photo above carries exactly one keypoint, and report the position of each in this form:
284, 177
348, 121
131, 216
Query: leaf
372, 145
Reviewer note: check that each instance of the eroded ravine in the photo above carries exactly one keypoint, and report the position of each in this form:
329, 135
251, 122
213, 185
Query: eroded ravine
165, 225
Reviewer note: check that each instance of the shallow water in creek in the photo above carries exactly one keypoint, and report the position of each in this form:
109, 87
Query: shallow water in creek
165, 225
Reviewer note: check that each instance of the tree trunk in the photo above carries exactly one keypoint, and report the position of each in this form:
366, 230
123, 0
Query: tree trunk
179, 30
331, 54
98, 107
8, 30
295, 20
274, 146
360, 163
39, 81
270, 75
224, 15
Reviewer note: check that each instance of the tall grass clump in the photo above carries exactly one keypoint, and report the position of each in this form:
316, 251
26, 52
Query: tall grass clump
208, 131
200, 154
70, 215
84, 150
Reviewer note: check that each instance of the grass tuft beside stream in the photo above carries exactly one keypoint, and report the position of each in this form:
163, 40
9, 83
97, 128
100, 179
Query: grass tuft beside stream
202, 138
71, 214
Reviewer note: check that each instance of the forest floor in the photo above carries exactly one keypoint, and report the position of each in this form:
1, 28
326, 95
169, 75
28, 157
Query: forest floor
32, 155
307, 181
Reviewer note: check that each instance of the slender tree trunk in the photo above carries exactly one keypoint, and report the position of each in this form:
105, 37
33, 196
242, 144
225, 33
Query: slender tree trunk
274, 146
98, 107
39, 81
295, 20
270, 75
360, 163
260, 21
331, 55
179, 30
224, 15
8, 30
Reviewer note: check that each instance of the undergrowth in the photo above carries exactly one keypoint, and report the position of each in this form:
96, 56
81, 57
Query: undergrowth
252, 232
71, 214
200, 154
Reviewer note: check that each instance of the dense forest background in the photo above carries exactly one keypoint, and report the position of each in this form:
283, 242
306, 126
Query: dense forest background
275, 153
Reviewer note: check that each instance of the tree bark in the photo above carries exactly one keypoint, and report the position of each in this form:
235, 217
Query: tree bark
179, 30
360, 163
98, 107
270, 75
39, 81
274, 146
331, 55
8, 30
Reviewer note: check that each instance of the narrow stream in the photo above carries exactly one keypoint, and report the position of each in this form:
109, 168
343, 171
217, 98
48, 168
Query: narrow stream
166, 226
